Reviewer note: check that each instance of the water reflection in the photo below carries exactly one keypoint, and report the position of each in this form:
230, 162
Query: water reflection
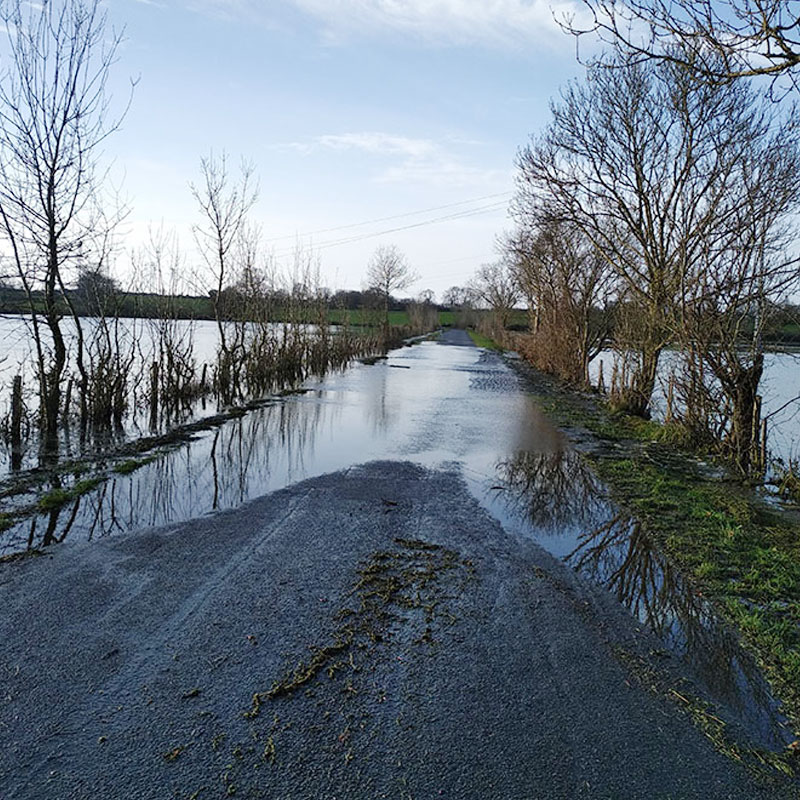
556, 491
450, 406
552, 489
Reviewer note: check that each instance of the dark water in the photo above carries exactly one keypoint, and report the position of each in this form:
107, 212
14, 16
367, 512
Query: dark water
435, 405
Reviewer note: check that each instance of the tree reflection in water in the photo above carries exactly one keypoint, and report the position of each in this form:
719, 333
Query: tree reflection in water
556, 491
221, 468
551, 489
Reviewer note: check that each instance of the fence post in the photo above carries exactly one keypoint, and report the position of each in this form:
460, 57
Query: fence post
154, 396
16, 424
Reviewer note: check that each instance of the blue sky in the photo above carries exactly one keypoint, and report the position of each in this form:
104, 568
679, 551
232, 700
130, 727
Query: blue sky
351, 110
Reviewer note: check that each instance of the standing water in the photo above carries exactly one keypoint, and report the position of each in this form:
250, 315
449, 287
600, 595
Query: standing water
438, 405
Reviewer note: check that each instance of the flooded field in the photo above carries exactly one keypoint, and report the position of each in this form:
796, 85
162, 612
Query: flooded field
780, 388
438, 405
151, 376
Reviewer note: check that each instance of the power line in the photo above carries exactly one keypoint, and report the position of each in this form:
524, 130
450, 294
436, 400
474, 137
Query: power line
435, 221
387, 219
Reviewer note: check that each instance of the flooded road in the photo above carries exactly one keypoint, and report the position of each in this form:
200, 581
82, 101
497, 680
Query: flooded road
440, 405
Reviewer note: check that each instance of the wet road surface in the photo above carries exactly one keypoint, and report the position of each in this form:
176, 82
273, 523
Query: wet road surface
370, 630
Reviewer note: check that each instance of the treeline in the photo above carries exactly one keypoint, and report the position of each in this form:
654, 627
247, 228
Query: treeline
657, 210
87, 301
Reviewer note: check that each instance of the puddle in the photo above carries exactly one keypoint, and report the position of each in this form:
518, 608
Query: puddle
455, 406
555, 497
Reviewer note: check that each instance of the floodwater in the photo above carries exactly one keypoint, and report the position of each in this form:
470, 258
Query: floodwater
138, 343
439, 405
780, 389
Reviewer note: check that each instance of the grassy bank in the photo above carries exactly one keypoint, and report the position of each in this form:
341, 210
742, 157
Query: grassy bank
482, 341
734, 549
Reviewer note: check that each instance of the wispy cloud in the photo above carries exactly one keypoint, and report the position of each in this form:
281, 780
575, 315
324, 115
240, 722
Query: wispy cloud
499, 23
493, 23
379, 144
404, 159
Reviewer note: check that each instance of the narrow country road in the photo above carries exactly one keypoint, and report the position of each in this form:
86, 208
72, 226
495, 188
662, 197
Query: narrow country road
369, 631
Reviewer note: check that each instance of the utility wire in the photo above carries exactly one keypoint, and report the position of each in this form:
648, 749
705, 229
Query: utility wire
388, 219
435, 221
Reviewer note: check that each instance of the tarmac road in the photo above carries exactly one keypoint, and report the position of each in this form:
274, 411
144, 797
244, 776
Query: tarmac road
471, 664
368, 633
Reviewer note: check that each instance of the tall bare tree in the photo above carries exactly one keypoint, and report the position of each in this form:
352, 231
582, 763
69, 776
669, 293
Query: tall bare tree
735, 283
54, 117
646, 162
224, 203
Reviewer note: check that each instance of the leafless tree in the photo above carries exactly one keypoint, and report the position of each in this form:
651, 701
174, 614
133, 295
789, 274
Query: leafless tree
570, 288
718, 39
456, 297
494, 286
224, 204
734, 286
54, 117
387, 272
646, 162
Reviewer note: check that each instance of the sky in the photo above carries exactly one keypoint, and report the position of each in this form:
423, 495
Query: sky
403, 114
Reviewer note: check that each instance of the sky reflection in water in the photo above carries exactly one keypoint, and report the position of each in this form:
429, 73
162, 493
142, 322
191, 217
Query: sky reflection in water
435, 405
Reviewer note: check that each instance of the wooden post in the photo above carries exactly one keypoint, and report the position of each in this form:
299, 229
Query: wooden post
67, 401
755, 433
204, 376
154, 396
670, 398
763, 443
601, 384
16, 424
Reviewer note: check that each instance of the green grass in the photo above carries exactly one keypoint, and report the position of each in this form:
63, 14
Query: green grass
132, 464
339, 316
56, 498
737, 552
483, 341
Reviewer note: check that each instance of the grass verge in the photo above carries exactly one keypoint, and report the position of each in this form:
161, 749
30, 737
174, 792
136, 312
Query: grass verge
735, 550
483, 341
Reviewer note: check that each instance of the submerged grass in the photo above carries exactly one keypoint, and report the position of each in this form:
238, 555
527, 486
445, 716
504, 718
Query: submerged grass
735, 550
132, 464
761, 762
56, 498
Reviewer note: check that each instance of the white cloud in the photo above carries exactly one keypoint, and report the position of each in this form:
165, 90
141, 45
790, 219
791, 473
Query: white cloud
499, 23
404, 159
492, 23
379, 144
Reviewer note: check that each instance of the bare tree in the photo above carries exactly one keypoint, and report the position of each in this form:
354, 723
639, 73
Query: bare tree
646, 162
54, 116
495, 286
224, 205
718, 39
735, 283
571, 288
387, 272
456, 297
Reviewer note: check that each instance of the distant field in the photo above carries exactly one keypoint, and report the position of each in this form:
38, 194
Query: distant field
396, 318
